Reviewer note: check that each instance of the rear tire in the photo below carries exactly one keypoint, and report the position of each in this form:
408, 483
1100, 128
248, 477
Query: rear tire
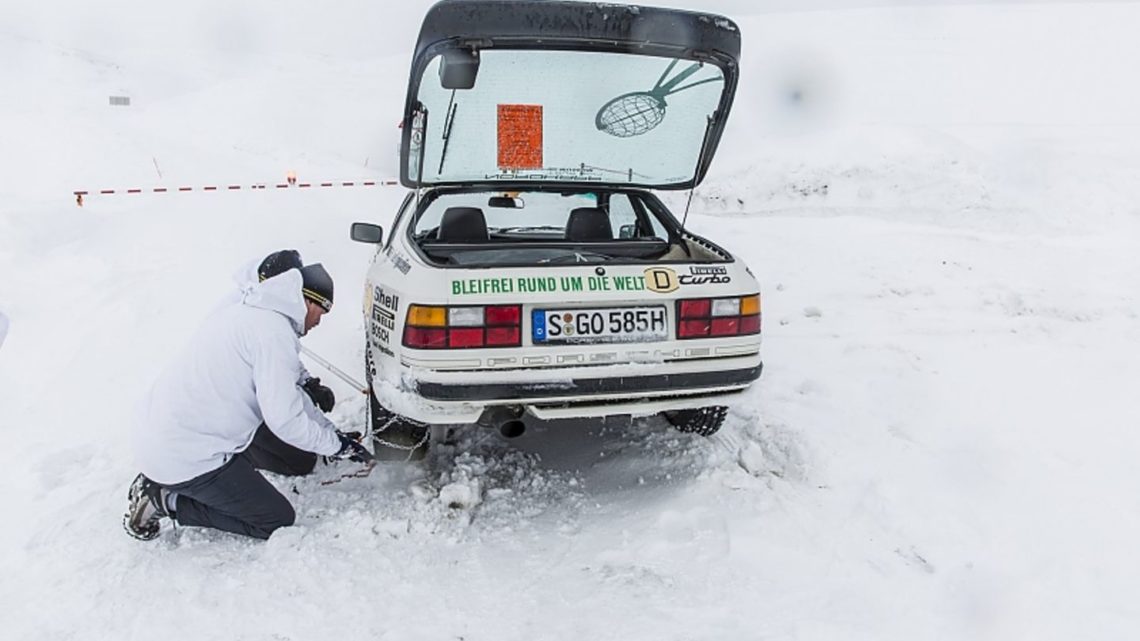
396, 437
702, 421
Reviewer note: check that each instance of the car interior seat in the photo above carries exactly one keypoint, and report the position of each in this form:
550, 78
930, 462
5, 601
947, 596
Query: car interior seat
463, 225
588, 223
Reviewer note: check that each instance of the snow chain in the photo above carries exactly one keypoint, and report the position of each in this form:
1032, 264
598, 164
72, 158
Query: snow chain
410, 449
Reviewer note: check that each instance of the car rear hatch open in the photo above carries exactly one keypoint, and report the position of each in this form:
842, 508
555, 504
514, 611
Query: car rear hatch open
549, 93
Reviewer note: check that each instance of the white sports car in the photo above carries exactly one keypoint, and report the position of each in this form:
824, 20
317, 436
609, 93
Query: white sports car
532, 273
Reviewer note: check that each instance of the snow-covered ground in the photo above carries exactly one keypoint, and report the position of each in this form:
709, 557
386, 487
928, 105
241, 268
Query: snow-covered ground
941, 202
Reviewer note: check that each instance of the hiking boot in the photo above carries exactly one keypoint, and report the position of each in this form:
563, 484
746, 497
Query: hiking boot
146, 507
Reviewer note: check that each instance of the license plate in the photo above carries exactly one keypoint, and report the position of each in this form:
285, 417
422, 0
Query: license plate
608, 325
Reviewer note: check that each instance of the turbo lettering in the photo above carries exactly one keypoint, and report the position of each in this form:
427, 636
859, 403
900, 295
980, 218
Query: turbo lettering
706, 275
688, 279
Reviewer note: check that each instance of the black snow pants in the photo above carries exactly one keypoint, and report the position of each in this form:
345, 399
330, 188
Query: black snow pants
236, 498
268, 452
233, 498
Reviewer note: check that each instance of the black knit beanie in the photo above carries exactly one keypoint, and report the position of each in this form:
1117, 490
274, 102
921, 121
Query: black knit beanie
317, 285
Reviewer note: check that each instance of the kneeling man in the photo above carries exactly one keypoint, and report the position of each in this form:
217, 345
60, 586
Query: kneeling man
239, 372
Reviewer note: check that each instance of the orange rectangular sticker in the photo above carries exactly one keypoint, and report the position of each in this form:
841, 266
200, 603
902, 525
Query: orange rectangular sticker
520, 136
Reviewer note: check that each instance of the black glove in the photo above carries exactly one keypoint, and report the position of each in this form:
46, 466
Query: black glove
351, 450
322, 396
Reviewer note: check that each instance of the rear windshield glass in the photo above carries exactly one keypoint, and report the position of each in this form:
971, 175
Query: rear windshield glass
566, 116
538, 216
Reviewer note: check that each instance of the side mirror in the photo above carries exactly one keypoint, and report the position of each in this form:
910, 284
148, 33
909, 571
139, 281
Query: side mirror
627, 231
367, 233
458, 68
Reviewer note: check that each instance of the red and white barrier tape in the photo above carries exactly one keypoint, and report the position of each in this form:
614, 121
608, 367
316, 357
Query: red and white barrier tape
81, 193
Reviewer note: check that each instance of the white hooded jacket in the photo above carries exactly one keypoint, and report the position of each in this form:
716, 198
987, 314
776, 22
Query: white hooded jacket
240, 369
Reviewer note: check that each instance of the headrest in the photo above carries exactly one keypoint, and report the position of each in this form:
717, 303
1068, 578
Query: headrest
463, 225
588, 223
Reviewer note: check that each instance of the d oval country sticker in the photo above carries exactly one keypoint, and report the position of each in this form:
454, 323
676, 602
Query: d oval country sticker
661, 280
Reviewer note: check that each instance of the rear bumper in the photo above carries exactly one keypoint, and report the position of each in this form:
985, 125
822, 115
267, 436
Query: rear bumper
646, 385
451, 397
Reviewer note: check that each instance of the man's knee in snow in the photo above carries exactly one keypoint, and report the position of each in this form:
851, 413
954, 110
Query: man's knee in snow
283, 516
277, 515
288, 518
272, 523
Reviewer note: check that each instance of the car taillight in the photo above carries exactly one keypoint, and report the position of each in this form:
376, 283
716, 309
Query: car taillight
425, 337
697, 308
504, 336
465, 337
463, 326
716, 317
503, 315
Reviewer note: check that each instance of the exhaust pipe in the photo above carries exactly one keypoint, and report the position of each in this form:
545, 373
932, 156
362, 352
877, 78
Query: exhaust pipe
505, 418
512, 429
